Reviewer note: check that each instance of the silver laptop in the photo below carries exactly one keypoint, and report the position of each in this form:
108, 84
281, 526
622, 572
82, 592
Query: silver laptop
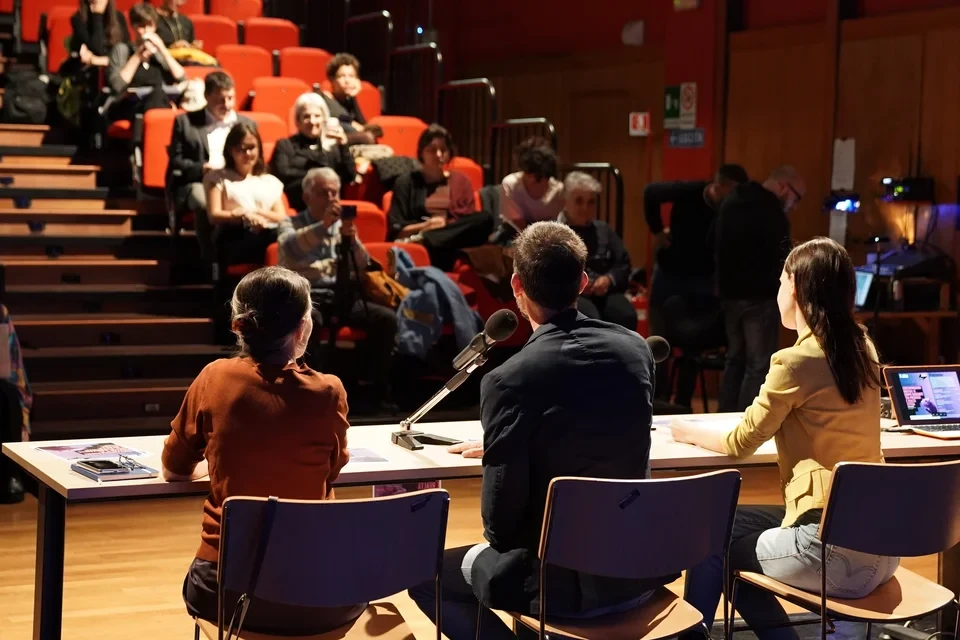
926, 399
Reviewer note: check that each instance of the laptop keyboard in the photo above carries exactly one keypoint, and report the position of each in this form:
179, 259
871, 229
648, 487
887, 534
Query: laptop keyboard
938, 428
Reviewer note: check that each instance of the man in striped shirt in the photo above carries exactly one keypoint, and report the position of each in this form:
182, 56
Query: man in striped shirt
310, 244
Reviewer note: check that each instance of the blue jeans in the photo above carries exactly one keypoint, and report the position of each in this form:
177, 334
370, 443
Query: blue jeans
753, 333
791, 555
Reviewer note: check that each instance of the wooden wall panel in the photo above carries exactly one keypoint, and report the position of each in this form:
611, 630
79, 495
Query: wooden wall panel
588, 99
878, 104
775, 117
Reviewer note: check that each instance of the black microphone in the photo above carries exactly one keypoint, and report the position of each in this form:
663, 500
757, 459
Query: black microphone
660, 348
498, 328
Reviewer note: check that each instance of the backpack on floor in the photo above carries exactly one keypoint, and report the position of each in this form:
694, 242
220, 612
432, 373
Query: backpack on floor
25, 98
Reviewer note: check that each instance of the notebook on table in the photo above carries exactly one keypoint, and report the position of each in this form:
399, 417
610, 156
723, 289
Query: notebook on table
926, 399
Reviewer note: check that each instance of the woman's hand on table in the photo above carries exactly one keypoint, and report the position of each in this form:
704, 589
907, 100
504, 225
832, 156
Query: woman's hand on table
468, 449
681, 431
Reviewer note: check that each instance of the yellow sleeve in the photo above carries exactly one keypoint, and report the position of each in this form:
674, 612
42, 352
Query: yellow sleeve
779, 395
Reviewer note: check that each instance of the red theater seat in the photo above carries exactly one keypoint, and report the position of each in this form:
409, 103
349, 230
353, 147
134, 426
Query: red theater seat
30, 12
277, 96
378, 251
214, 31
470, 169
59, 33
199, 72
245, 64
273, 34
121, 129
189, 7
237, 10
401, 133
271, 128
371, 221
157, 132
369, 100
305, 63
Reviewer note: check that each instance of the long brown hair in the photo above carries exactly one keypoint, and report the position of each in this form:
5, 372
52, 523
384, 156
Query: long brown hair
267, 307
111, 22
234, 139
826, 286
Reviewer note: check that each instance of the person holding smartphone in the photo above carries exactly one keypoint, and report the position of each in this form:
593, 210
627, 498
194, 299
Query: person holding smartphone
311, 244
145, 64
320, 141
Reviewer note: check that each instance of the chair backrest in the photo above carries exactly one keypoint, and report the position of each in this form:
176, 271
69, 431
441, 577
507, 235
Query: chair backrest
468, 108
370, 38
237, 10
278, 96
200, 73
272, 34
272, 256
245, 63
364, 534
610, 205
469, 168
271, 128
638, 528
378, 251
214, 31
371, 222
6, 6
923, 500
124, 6
188, 7
401, 133
504, 138
305, 63
30, 12
157, 134
415, 72
369, 100
59, 33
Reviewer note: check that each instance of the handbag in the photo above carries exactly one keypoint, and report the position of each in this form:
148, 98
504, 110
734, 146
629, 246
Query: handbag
380, 288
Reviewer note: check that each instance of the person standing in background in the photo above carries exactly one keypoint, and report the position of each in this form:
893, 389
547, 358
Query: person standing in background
684, 260
752, 241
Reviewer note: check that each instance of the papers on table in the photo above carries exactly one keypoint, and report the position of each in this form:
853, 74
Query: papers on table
90, 451
365, 455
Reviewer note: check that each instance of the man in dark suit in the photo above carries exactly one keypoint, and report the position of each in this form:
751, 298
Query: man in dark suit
196, 147
576, 401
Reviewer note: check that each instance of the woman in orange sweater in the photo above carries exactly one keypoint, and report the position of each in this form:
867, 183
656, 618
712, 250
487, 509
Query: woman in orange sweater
262, 425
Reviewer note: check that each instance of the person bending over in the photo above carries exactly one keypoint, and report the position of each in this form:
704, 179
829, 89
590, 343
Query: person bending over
579, 390
608, 263
316, 144
821, 403
245, 203
751, 241
146, 64
196, 148
310, 244
260, 424
532, 194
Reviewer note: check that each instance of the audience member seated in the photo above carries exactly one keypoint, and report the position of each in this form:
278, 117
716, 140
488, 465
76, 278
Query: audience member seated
608, 263
576, 401
244, 202
532, 194
97, 28
147, 64
196, 147
311, 243
174, 28
224, 430
317, 143
343, 71
434, 206
821, 403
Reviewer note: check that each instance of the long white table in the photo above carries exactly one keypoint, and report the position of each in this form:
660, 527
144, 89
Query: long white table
59, 485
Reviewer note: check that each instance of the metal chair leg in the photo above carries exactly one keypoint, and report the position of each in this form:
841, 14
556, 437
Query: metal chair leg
869, 630
479, 618
706, 631
196, 630
733, 608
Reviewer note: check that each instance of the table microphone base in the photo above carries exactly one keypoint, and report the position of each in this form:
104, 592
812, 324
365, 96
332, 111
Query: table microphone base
415, 440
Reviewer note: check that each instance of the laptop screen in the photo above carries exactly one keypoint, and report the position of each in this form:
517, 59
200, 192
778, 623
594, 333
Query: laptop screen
864, 280
925, 395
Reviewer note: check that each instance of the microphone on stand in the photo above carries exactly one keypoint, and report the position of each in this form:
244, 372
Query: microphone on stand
498, 328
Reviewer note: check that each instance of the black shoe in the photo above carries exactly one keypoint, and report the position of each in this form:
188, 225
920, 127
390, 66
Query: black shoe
11, 491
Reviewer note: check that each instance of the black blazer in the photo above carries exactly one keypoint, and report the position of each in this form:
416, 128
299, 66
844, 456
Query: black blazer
293, 158
188, 149
577, 400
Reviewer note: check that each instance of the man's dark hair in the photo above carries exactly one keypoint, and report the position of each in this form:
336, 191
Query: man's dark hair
142, 15
431, 133
732, 173
342, 60
537, 158
217, 81
549, 258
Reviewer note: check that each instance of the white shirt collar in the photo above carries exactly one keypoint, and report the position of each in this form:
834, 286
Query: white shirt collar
227, 121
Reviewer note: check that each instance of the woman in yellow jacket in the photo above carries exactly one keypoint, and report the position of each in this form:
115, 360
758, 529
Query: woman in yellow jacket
821, 403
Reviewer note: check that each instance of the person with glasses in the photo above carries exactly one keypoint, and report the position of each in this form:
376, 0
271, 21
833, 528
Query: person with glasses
751, 241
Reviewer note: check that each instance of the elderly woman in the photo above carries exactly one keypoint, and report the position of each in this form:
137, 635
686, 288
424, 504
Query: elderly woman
608, 263
319, 142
